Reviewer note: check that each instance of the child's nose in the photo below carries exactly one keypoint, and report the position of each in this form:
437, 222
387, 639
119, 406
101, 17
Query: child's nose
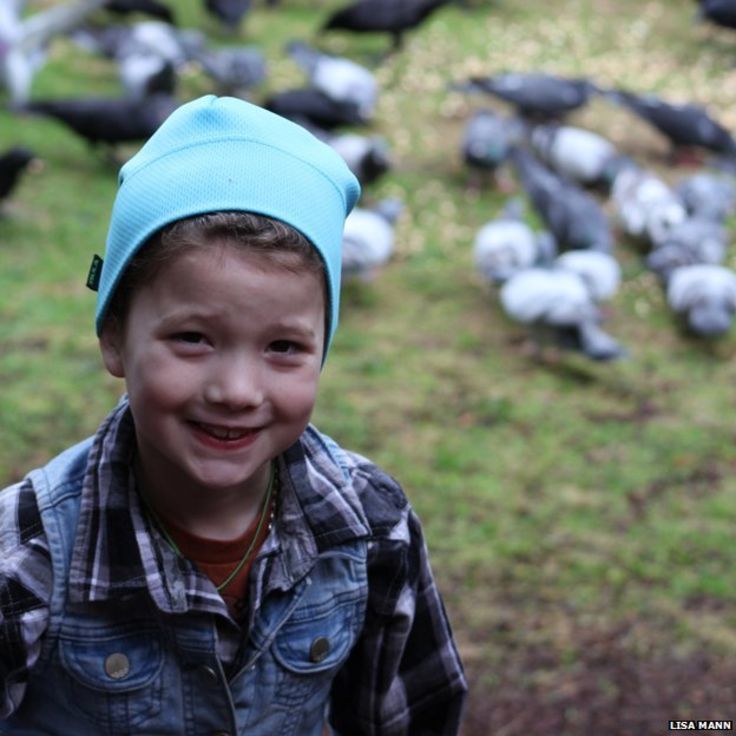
235, 382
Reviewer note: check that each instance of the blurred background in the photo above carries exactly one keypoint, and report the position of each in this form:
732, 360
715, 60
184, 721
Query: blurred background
535, 335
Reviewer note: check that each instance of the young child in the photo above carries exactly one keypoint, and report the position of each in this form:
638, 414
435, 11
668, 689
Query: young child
208, 562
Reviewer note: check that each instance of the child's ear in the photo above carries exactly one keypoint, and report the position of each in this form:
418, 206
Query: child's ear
111, 339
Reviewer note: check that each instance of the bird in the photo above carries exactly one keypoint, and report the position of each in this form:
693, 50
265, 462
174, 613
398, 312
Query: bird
368, 157
558, 307
686, 126
152, 8
600, 271
486, 142
704, 296
692, 241
719, 12
507, 244
534, 95
646, 208
315, 106
235, 69
708, 195
339, 78
106, 121
229, 13
573, 216
368, 239
395, 17
13, 162
23, 41
578, 154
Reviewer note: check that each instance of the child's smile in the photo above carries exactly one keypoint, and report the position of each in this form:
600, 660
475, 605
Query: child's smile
221, 353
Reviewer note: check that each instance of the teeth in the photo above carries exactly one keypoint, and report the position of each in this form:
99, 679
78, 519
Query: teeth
222, 433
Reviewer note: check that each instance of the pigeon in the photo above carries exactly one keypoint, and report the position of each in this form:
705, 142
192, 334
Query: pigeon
366, 156
314, 105
487, 140
572, 215
106, 121
558, 306
534, 95
578, 154
704, 295
152, 8
229, 13
368, 239
719, 12
339, 78
395, 17
13, 162
601, 272
694, 240
707, 195
646, 208
23, 41
235, 70
506, 245
685, 125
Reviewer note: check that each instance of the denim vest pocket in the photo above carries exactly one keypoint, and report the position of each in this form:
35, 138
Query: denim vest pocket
115, 676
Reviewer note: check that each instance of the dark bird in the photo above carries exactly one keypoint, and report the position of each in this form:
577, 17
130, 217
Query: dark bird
686, 126
152, 8
339, 78
315, 106
719, 12
572, 215
394, 17
104, 121
229, 13
534, 95
13, 163
704, 296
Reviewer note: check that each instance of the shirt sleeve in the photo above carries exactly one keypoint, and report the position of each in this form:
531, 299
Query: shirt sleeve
404, 677
25, 590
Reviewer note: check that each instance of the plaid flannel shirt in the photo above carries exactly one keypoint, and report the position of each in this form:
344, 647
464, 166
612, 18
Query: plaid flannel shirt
403, 677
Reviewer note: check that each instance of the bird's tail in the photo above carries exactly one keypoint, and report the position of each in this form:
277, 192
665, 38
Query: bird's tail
39, 28
597, 344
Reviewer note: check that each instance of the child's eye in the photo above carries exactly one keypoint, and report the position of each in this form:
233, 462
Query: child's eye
284, 346
190, 337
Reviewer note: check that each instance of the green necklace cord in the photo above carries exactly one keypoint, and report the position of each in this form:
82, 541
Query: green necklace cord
259, 529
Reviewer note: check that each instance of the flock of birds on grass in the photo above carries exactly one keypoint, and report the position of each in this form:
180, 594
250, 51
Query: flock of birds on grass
553, 280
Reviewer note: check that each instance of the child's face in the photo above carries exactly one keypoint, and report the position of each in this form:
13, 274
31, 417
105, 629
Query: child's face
221, 354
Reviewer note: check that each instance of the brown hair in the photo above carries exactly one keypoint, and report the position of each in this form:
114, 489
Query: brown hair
276, 240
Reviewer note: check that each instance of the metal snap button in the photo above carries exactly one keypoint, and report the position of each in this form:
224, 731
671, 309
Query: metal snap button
117, 665
319, 649
209, 674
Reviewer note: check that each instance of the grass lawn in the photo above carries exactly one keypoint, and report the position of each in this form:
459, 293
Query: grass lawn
580, 516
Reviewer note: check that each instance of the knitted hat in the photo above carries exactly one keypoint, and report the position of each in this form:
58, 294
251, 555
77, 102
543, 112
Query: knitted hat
219, 154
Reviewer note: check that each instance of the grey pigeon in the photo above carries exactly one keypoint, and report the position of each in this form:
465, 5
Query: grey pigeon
229, 13
534, 95
235, 70
572, 215
507, 244
600, 271
708, 195
646, 208
704, 295
487, 140
339, 78
557, 305
368, 239
24, 40
368, 157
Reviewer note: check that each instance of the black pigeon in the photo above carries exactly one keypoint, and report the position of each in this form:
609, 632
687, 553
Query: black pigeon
534, 95
572, 215
152, 8
719, 12
315, 106
12, 164
106, 121
395, 17
228, 12
686, 125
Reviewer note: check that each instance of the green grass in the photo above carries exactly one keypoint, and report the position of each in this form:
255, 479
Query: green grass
570, 508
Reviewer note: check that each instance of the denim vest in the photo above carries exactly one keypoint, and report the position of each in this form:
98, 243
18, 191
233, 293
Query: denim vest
126, 667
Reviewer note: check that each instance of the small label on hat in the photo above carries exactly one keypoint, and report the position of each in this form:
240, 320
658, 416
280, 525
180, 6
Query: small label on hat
95, 269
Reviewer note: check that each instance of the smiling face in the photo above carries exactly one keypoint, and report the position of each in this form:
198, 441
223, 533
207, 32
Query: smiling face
221, 353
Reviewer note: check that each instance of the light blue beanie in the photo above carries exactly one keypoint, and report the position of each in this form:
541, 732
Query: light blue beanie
225, 154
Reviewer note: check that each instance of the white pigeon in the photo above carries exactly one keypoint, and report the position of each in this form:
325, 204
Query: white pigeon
705, 296
368, 239
600, 271
367, 157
